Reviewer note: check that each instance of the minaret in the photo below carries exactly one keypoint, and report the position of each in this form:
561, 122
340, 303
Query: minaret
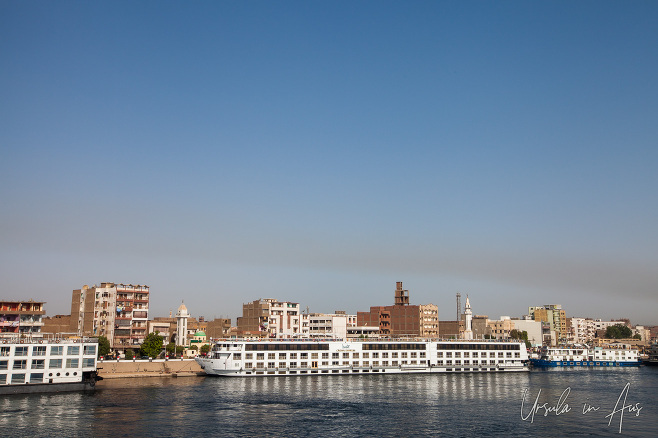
468, 315
181, 325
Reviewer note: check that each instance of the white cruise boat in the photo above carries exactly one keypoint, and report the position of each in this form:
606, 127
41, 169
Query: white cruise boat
586, 357
308, 357
47, 365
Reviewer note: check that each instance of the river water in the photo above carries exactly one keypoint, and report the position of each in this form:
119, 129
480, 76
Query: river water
350, 406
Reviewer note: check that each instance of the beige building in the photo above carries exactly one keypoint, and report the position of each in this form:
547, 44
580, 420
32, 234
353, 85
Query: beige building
429, 320
21, 318
555, 316
114, 310
270, 318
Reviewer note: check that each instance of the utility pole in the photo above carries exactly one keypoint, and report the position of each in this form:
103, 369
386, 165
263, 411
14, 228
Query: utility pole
459, 306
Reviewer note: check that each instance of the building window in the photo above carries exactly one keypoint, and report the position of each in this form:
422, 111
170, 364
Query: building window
4, 351
248, 364
38, 364
55, 363
237, 356
20, 364
325, 355
271, 365
4, 364
271, 355
282, 364
366, 355
293, 355
72, 363
282, 356
39, 350
73, 350
20, 351
346, 355
89, 350
260, 356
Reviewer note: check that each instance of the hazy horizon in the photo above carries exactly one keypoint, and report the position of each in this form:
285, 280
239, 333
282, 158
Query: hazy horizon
318, 152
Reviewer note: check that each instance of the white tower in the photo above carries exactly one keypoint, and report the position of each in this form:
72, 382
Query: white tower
181, 325
468, 315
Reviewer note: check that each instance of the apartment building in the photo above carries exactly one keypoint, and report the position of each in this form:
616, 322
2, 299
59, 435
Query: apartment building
429, 320
335, 325
21, 318
114, 310
270, 318
555, 316
401, 319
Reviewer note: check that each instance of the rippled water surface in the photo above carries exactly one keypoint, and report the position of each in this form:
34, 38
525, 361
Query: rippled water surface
348, 406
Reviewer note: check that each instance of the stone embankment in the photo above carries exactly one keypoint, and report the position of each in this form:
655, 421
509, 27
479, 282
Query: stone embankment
112, 369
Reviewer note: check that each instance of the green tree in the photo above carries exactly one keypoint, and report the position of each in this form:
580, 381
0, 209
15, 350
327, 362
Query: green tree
130, 353
171, 348
205, 349
618, 331
103, 346
152, 345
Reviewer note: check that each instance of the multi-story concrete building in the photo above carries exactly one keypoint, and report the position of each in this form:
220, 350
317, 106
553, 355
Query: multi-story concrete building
502, 328
218, 328
401, 319
335, 326
585, 330
114, 310
270, 317
429, 320
21, 318
555, 316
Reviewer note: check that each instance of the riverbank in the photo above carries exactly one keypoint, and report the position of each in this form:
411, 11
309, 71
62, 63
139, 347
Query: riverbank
111, 369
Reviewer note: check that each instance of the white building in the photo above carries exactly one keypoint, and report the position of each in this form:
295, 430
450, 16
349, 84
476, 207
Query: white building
181, 325
322, 325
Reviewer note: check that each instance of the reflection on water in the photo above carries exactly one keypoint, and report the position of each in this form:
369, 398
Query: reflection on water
364, 405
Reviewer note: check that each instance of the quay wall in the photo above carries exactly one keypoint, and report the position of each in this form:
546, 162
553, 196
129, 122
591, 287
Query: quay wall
112, 369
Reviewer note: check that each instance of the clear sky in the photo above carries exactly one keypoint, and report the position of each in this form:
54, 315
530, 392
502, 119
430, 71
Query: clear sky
318, 152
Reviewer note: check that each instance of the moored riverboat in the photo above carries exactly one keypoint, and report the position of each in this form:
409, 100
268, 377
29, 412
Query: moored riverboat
274, 357
652, 358
586, 357
47, 365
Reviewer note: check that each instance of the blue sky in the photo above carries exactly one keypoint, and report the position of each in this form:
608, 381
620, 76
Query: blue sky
318, 152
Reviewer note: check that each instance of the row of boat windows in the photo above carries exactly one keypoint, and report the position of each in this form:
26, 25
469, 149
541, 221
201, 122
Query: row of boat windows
41, 350
378, 346
366, 363
377, 355
344, 355
40, 364
485, 346
278, 347
20, 378
359, 371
